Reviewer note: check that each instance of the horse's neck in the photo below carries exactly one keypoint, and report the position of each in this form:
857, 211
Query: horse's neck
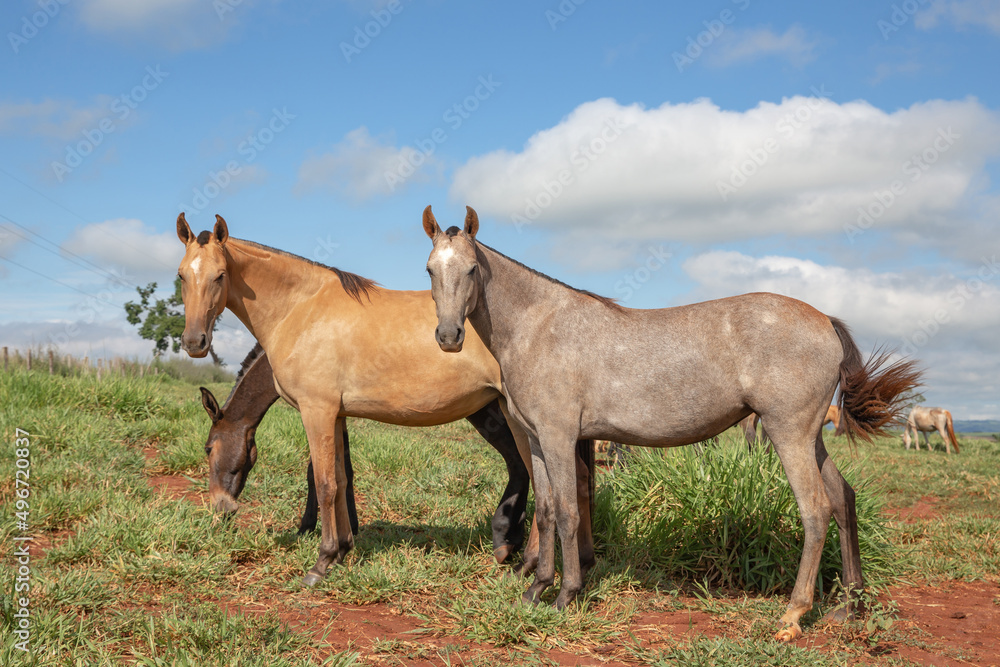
265, 286
253, 394
500, 318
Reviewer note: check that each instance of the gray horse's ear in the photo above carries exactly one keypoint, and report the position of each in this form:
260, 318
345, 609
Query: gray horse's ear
431, 227
471, 222
221, 231
211, 405
184, 230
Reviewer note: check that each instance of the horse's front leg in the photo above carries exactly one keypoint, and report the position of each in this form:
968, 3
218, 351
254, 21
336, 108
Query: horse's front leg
326, 449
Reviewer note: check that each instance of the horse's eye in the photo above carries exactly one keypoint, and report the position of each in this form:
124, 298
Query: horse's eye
179, 276
208, 450
221, 276
429, 272
473, 269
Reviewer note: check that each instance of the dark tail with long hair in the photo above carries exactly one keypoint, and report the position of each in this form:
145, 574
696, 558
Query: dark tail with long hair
951, 430
870, 391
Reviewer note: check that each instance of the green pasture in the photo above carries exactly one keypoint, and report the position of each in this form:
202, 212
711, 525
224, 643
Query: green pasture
136, 576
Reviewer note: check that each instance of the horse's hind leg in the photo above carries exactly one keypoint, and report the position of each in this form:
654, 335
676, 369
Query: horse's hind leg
510, 515
842, 498
797, 450
939, 425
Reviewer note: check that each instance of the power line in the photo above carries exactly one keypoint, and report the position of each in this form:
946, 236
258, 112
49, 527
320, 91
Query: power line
63, 252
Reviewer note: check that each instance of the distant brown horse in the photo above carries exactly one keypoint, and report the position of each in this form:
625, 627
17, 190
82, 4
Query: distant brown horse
833, 417
576, 365
926, 420
232, 451
341, 346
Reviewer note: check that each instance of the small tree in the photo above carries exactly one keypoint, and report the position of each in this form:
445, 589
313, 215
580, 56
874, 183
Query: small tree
164, 320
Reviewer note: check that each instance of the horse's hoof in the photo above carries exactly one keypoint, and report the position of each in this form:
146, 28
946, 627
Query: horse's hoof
837, 615
788, 633
311, 579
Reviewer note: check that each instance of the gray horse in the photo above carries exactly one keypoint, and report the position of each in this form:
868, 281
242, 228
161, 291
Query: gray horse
576, 365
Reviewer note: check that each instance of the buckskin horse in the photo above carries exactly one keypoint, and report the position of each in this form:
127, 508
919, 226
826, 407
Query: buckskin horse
231, 448
341, 346
926, 420
577, 365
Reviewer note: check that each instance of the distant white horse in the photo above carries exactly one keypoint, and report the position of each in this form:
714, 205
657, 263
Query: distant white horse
926, 420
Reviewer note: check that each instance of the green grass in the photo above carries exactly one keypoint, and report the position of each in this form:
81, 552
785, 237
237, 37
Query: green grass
134, 576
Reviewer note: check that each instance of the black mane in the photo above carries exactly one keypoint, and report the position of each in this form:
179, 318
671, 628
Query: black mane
256, 353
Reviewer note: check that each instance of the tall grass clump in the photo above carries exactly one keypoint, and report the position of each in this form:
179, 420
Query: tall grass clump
720, 514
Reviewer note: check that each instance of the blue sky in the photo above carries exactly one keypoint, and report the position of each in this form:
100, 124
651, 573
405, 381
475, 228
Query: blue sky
660, 153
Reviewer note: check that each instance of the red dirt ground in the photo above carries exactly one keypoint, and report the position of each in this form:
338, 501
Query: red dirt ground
941, 624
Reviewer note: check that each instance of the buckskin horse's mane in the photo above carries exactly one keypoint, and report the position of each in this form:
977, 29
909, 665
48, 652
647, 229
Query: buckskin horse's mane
353, 284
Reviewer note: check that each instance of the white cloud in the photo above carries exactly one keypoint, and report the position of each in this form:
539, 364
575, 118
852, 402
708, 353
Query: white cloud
362, 166
54, 119
177, 24
127, 244
744, 45
695, 172
878, 304
961, 13
948, 323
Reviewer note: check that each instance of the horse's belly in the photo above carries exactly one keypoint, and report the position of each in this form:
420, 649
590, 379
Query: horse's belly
424, 408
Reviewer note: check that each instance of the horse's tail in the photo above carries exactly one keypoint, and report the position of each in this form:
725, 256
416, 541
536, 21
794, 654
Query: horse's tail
870, 391
951, 430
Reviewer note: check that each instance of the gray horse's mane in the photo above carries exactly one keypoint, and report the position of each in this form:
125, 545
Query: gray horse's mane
353, 284
607, 301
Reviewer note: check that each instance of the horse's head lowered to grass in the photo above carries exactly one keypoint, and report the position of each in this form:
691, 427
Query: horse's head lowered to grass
232, 453
453, 263
204, 283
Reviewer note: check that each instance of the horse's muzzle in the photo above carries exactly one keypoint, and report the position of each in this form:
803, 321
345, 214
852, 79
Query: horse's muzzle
450, 339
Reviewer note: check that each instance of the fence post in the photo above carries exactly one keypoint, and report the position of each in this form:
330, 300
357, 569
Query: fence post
29, 358
51, 363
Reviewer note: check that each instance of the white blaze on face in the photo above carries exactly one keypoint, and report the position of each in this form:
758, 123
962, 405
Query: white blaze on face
446, 254
195, 264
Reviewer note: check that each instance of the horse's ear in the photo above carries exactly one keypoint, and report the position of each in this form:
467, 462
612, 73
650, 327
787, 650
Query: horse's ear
431, 227
211, 405
184, 230
221, 231
471, 222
